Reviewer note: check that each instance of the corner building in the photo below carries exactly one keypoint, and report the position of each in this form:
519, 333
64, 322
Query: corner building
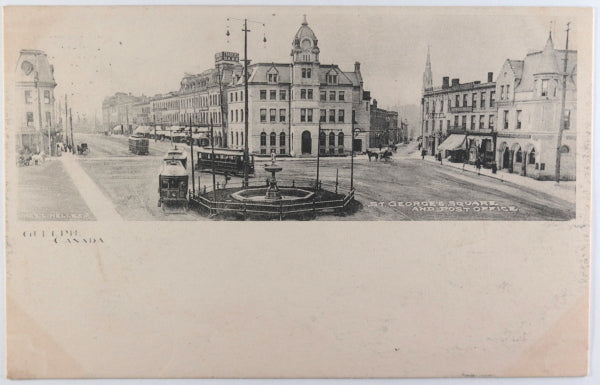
287, 103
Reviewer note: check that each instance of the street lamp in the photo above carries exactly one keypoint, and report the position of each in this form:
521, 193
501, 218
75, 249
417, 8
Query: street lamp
355, 132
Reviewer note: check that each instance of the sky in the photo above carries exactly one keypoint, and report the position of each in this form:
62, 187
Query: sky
97, 51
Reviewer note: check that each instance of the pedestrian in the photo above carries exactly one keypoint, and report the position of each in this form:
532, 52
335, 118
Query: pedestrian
478, 165
440, 157
423, 152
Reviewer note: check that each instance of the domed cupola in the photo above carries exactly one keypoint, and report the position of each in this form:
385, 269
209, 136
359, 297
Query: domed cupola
305, 47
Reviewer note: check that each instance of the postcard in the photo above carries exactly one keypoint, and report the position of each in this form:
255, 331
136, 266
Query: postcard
297, 192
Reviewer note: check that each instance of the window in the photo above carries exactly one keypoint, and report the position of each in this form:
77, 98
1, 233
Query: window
242, 115
303, 93
567, 120
263, 115
501, 92
309, 116
448, 124
492, 99
331, 95
427, 126
441, 125
457, 101
332, 116
532, 156
455, 121
472, 122
464, 100
555, 88
273, 94
332, 79
282, 139
323, 96
464, 122
544, 87
263, 139
309, 94
518, 119
506, 120
341, 116
331, 139
48, 119
272, 78
353, 116
341, 95
273, 139
442, 105
491, 122
241, 96
231, 113
272, 114
263, 94
564, 149
231, 96
308, 73
303, 114
519, 156
322, 139
482, 100
323, 116
474, 100
282, 115
507, 92
29, 119
481, 122
28, 97
303, 72
282, 95
236, 115
47, 96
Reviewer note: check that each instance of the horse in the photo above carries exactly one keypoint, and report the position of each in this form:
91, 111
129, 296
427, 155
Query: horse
38, 158
372, 154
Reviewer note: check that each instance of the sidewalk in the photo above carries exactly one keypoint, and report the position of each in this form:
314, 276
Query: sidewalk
564, 190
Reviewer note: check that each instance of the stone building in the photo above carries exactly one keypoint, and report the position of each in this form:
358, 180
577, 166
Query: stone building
459, 120
384, 127
301, 107
118, 112
36, 121
529, 110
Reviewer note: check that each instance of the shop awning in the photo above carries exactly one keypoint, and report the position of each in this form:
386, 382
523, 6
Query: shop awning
453, 142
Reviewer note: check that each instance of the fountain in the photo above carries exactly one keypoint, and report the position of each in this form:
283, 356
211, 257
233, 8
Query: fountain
273, 192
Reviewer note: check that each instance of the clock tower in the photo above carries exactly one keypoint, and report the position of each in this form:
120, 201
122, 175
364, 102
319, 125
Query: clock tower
304, 46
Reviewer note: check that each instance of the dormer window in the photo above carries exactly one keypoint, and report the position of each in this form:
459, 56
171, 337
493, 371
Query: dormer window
272, 78
332, 79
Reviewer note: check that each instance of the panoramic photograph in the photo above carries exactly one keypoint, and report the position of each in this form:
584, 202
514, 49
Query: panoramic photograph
275, 114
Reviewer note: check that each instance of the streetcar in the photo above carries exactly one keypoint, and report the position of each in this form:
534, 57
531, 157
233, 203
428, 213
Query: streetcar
226, 161
177, 154
173, 184
138, 144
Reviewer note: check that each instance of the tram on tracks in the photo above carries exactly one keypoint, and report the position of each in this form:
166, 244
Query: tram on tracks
177, 154
173, 181
138, 144
225, 161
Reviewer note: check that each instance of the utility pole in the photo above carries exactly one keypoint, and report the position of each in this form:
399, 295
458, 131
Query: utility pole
66, 121
562, 107
352, 156
71, 124
212, 145
318, 155
246, 118
192, 151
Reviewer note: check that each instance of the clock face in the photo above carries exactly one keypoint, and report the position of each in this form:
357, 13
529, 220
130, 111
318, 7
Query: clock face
306, 44
27, 67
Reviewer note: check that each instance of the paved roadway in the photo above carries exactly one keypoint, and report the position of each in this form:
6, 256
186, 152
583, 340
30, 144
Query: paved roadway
402, 189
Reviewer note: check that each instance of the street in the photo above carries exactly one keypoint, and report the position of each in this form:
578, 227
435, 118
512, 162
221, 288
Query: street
405, 188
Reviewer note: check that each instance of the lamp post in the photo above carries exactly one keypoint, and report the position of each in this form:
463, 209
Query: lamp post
562, 108
318, 155
354, 134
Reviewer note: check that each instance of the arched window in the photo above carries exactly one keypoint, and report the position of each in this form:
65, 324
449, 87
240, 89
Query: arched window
237, 139
273, 139
519, 156
322, 138
331, 139
532, 156
263, 139
341, 139
282, 139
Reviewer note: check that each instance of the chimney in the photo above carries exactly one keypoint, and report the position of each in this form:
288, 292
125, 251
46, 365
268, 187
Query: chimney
445, 82
374, 103
455, 82
356, 67
490, 77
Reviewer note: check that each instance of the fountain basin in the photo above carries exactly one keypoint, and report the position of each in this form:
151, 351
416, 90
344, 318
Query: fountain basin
258, 195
